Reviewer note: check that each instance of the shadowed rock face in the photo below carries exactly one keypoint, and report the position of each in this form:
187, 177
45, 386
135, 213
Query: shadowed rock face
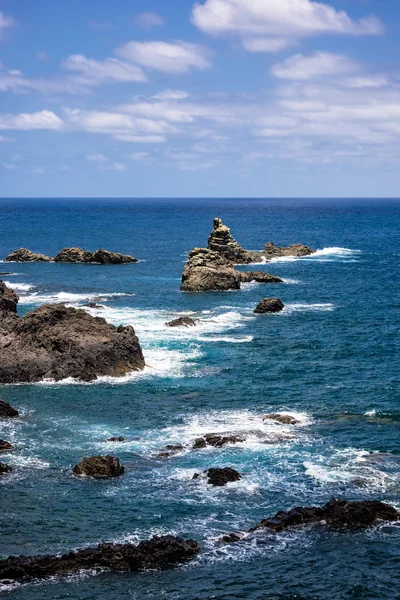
156, 553
259, 277
216, 440
25, 255
5, 446
284, 419
272, 251
99, 467
208, 271
116, 439
103, 257
182, 322
336, 514
220, 476
7, 411
4, 468
268, 305
57, 342
222, 241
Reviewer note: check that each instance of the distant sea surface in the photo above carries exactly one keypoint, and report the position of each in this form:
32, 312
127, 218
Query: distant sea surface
331, 359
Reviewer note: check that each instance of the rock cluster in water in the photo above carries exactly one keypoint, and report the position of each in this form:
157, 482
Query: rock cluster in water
222, 241
4, 468
72, 255
6, 410
272, 251
156, 553
182, 322
57, 342
217, 440
268, 305
5, 446
99, 467
220, 476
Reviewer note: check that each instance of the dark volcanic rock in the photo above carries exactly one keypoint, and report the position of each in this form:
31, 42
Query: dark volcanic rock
99, 467
208, 271
336, 514
284, 419
4, 468
156, 553
5, 446
170, 450
216, 440
25, 255
101, 256
57, 342
221, 476
182, 322
8, 301
7, 411
116, 439
272, 251
259, 277
268, 305
222, 241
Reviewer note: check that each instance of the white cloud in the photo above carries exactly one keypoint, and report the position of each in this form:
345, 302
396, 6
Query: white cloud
174, 57
104, 163
301, 68
8, 166
112, 166
368, 81
95, 72
256, 21
5, 23
44, 119
99, 158
148, 20
140, 139
139, 156
171, 95
42, 56
38, 171
262, 44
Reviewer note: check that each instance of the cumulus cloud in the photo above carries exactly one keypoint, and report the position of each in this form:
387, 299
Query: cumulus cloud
272, 24
95, 72
148, 20
5, 23
139, 156
44, 119
168, 57
300, 67
171, 95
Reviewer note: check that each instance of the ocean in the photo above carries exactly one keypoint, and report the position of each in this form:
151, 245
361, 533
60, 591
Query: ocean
330, 359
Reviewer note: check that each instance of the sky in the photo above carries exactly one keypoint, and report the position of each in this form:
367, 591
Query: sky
214, 98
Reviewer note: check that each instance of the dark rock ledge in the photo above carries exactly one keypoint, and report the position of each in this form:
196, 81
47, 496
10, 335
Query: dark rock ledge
72, 255
156, 553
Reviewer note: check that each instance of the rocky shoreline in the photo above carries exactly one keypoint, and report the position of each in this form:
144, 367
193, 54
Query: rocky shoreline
73, 255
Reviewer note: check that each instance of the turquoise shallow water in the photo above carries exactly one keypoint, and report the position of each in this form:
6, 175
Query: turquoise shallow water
330, 358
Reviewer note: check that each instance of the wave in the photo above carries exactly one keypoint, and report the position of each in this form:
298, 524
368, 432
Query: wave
67, 297
331, 254
297, 307
19, 287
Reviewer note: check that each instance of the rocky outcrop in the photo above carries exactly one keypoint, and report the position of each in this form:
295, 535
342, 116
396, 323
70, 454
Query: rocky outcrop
279, 418
156, 553
207, 271
8, 301
25, 255
56, 342
4, 468
272, 251
182, 322
217, 440
259, 277
116, 439
99, 467
103, 257
220, 476
7, 411
336, 514
170, 450
269, 305
5, 446
222, 241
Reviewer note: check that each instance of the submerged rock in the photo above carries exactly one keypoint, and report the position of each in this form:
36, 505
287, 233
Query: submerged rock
182, 322
284, 419
259, 277
116, 439
272, 251
216, 440
99, 467
5, 446
220, 476
101, 256
7, 411
25, 255
336, 514
4, 468
156, 553
222, 241
268, 305
170, 450
56, 342
207, 271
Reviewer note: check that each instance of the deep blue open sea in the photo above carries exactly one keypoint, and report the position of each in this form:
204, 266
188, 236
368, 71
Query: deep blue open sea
331, 359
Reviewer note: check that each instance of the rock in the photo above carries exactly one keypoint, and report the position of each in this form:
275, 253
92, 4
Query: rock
4, 273
156, 553
222, 241
220, 477
7, 411
272, 251
284, 419
103, 257
170, 450
4, 468
92, 305
25, 255
207, 271
217, 440
99, 467
259, 277
182, 322
8, 301
56, 342
268, 305
116, 439
5, 446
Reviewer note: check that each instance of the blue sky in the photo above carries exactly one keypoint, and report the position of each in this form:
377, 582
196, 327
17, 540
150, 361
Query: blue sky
172, 98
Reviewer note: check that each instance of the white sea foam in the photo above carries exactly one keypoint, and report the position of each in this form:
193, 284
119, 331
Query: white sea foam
370, 413
331, 254
297, 307
66, 297
19, 287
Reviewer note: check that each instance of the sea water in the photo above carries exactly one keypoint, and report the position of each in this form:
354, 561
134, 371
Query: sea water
330, 359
